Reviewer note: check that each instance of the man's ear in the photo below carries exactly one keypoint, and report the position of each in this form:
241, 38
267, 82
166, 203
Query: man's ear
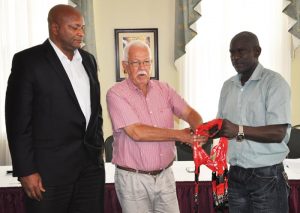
124, 65
257, 51
54, 28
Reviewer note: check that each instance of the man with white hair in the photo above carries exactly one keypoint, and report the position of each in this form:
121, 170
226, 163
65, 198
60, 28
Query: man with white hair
141, 112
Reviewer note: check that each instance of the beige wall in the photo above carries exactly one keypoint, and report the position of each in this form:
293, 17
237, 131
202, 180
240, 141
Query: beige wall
111, 14
295, 85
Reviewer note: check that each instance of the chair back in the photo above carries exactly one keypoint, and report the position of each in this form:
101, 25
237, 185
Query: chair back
185, 152
108, 148
294, 142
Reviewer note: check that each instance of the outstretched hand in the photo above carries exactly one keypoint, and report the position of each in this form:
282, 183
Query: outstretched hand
190, 138
229, 129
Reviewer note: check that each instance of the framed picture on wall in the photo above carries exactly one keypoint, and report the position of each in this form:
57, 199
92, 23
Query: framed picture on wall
123, 36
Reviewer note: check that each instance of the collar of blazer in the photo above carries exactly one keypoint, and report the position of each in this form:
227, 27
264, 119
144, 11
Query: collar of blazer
89, 64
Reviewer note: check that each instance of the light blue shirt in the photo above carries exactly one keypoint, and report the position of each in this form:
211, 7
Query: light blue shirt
263, 100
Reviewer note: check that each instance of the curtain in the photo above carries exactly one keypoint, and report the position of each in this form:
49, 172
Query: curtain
86, 9
293, 10
185, 17
206, 64
23, 24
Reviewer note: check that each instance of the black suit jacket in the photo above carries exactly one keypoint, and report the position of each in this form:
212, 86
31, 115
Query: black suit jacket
46, 128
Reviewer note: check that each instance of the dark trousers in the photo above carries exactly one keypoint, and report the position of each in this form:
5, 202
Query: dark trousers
258, 190
86, 195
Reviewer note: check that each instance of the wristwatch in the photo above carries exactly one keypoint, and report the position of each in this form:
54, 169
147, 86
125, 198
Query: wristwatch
240, 136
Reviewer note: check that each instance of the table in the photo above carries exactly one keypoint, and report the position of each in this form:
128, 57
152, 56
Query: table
11, 195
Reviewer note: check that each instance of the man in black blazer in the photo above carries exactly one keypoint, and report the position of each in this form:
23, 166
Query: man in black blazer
54, 120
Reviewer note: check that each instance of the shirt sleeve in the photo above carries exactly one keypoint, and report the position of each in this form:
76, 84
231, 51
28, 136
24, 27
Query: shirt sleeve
278, 104
120, 111
220, 105
177, 102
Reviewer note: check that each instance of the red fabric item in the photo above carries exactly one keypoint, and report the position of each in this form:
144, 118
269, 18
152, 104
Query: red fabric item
216, 161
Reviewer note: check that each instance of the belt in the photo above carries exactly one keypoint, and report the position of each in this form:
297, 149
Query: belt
275, 165
155, 172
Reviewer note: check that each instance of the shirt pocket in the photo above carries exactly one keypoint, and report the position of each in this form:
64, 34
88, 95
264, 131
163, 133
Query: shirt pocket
256, 113
165, 117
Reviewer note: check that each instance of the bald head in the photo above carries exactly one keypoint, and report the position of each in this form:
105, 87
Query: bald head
59, 13
244, 53
246, 37
66, 28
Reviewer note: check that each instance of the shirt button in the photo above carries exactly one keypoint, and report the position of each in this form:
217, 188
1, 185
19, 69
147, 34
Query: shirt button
150, 112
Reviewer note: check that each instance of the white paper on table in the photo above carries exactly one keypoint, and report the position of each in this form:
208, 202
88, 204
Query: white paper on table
292, 168
7, 180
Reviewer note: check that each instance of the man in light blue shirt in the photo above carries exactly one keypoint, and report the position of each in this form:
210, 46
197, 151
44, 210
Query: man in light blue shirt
255, 106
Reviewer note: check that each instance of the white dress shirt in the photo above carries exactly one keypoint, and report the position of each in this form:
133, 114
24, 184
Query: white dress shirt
79, 79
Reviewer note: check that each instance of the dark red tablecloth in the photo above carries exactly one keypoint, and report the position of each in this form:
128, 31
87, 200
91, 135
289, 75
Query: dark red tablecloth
11, 198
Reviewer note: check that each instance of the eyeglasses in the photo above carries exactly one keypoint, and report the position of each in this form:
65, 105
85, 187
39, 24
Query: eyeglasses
136, 64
